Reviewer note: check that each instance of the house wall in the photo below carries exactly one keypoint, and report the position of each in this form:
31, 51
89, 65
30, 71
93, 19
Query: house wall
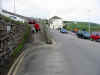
56, 23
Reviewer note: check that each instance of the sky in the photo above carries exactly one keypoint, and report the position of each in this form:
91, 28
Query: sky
76, 10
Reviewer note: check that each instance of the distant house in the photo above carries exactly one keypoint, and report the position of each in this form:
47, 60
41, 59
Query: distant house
56, 22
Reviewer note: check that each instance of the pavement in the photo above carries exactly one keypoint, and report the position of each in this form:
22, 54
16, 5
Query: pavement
70, 56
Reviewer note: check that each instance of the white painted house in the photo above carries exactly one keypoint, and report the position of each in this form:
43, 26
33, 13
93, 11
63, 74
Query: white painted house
56, 22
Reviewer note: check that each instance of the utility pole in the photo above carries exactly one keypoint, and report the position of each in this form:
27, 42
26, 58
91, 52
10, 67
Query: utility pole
89, 28
0, 6
88, 22
14, 7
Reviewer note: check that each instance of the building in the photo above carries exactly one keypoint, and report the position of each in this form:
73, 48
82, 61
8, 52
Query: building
56, 22
15, 16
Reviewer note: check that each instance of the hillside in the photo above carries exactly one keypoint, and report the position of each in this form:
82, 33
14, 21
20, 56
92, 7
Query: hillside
70, 25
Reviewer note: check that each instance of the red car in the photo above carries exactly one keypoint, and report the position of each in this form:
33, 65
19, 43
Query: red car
95, 37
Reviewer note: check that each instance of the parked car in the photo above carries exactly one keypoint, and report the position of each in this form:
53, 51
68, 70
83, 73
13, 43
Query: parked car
79, 34
92, 37
62, 30
83, 34
86, 35
95, 37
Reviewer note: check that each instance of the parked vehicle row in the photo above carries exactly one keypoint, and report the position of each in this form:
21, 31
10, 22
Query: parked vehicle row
83, 34
95, 36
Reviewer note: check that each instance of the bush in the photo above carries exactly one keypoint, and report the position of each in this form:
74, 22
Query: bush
21, 45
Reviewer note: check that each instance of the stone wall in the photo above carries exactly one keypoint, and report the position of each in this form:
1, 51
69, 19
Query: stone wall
3, 41
11, 35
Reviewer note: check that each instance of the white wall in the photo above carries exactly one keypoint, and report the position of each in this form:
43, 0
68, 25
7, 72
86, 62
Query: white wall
56, 23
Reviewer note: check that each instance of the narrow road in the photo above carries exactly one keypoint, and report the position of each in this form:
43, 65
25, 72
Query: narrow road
70, 56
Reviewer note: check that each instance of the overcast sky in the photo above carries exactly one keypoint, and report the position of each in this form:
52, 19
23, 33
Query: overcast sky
79, 10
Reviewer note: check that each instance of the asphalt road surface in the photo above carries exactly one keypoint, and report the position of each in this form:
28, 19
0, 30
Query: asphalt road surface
70, 56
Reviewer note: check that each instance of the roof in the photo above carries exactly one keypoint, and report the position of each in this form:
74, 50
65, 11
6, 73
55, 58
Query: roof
14, 14
55, 17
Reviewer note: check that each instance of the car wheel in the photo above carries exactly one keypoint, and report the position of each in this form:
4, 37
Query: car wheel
98, 40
